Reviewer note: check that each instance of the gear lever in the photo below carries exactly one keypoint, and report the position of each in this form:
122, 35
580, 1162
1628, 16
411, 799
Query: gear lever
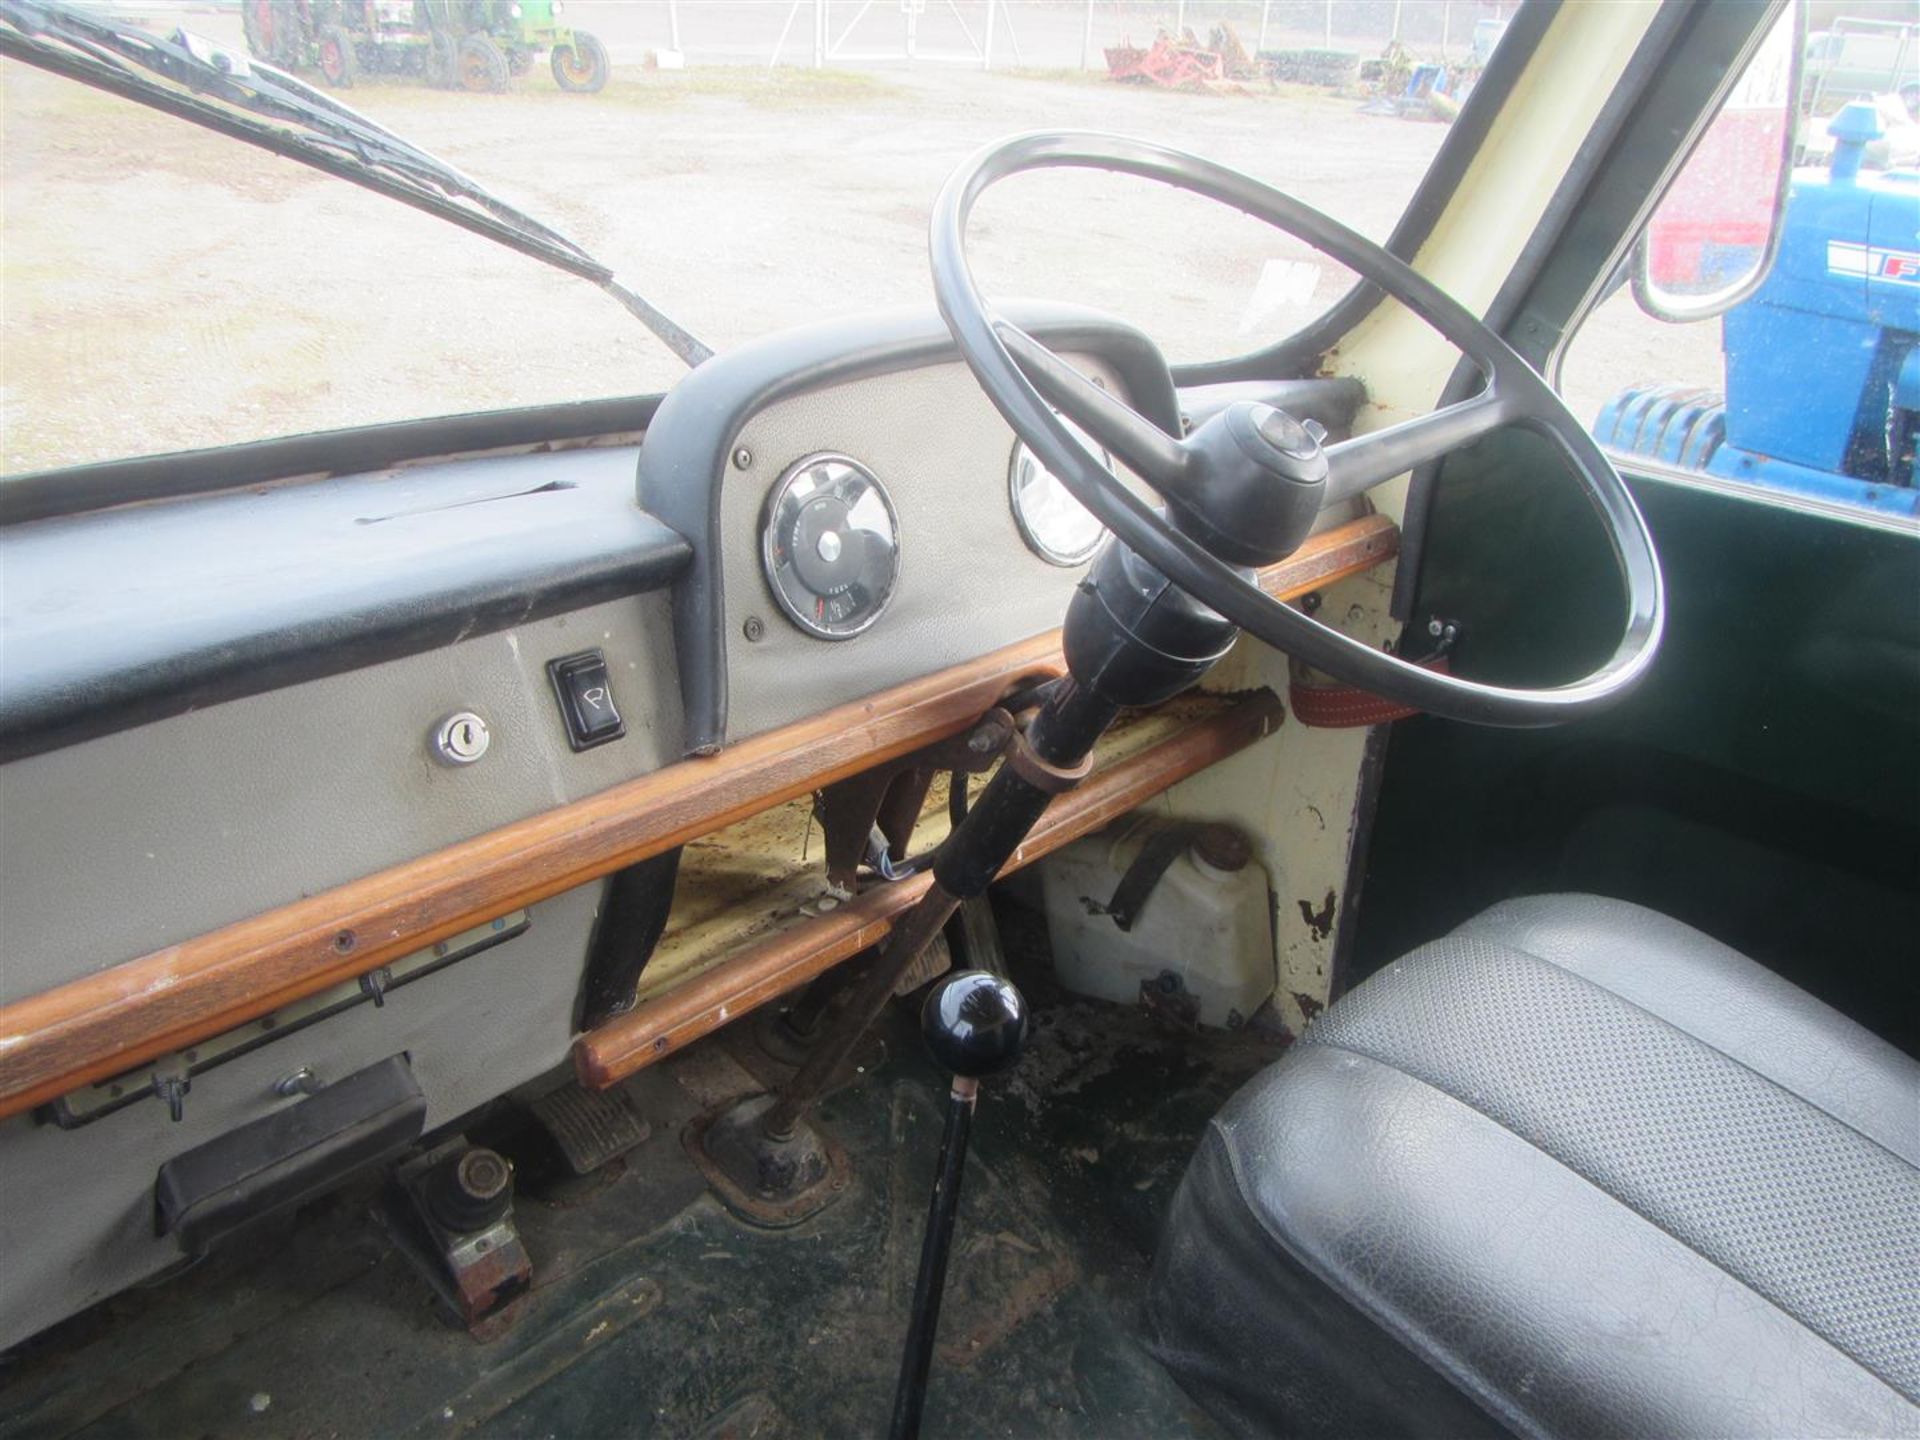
975, 1024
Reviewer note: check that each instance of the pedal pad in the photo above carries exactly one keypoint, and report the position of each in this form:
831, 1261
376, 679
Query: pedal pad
591, 1127
930, 964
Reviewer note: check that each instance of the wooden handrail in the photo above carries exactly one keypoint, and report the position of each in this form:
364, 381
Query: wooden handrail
107, 1023
760, 971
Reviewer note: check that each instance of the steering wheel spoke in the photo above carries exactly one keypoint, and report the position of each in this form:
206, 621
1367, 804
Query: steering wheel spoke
1357, 465
1137, 442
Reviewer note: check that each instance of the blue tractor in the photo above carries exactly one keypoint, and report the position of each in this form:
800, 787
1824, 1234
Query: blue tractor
1822, 360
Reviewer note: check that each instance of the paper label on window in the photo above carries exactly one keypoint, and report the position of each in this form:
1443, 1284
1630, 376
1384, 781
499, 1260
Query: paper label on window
1282, 283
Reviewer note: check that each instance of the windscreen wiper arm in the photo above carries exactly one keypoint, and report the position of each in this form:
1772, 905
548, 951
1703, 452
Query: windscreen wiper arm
223, 91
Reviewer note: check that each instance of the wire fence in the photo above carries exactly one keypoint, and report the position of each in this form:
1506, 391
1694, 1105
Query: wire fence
1014, 34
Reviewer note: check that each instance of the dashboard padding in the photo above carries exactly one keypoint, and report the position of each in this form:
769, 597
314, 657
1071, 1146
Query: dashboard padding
119, 618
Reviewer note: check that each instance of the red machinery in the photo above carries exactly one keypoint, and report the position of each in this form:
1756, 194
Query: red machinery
1169, 63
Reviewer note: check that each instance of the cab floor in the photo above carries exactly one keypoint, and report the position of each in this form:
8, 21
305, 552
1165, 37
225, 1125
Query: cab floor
654, 1311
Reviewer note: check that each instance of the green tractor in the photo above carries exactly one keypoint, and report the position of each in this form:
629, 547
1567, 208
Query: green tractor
477, 45
495, 40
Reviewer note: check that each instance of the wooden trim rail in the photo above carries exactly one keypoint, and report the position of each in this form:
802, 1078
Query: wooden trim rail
104, 1024
767, 968
1333, 555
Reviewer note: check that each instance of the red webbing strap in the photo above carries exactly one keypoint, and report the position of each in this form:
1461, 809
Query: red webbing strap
1346, 707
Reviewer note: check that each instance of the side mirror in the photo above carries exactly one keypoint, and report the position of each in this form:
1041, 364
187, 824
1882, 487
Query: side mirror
1713, 236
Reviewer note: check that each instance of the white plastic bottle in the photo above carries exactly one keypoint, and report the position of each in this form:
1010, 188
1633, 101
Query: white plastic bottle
1201, 940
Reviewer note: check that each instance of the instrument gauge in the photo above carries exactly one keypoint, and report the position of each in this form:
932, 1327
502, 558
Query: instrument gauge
830, 545
1056, 527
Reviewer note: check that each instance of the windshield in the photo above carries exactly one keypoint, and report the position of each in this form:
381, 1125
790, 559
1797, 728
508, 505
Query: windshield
743, 166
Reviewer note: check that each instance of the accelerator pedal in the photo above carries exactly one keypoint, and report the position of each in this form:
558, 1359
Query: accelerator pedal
591, 1127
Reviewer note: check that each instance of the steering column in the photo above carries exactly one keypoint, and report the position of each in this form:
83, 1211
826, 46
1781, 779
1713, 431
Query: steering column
1167, 595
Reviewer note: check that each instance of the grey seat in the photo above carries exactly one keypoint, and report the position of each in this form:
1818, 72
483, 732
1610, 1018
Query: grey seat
1575, 1169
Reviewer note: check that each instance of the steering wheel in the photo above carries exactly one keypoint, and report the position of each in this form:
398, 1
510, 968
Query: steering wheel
1243, 488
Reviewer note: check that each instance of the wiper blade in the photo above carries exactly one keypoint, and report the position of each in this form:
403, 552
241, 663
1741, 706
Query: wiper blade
223, 91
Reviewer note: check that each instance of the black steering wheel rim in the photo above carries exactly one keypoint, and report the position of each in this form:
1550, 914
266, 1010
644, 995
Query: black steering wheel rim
1514, 395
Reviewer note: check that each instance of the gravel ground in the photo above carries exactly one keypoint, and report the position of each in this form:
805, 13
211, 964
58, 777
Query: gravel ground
165, 288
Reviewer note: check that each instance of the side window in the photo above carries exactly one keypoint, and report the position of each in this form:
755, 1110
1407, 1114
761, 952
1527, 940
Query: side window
1785, 356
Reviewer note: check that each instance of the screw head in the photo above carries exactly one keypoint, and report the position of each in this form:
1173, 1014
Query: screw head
755, 629
742, 458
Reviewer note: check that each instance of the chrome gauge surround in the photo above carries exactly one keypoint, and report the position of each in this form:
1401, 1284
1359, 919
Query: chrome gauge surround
1056, 527
830, 546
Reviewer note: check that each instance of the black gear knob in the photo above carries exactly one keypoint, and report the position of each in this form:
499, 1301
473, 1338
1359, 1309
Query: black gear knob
975, 1023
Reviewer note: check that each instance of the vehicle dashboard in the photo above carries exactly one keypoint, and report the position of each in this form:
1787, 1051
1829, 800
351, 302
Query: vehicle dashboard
220, 717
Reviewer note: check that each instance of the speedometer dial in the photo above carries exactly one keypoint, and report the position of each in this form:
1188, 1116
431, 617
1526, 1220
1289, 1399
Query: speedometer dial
830, 544
1056, 527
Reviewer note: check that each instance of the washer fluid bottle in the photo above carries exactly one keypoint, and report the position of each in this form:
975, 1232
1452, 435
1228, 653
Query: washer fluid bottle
1173, 913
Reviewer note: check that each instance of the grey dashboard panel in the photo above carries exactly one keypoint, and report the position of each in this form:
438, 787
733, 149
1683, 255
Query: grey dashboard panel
150, 836
968, 582
684, 474
155, 834
472, 1031
118, 618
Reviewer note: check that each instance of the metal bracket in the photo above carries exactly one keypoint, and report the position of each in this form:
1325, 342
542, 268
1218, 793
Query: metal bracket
1444, 633
483, 1274
870, 817
1166, 999
1025, 762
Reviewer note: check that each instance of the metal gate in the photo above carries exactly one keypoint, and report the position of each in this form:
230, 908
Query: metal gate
857, 30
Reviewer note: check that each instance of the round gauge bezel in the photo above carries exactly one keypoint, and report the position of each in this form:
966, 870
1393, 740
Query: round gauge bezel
769, 528
1028, 533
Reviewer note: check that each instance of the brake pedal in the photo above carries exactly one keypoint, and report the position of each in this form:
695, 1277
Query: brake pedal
591, 1127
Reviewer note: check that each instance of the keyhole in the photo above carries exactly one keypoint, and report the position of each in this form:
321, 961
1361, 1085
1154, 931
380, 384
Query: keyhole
461, 738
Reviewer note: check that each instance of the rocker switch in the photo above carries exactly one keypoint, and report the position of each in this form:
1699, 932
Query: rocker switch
585, 692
